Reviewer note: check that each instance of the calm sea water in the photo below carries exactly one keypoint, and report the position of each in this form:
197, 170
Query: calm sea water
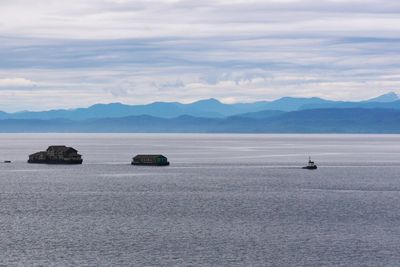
226, 200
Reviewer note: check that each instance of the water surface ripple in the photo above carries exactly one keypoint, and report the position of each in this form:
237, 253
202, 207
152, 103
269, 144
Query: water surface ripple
226, 200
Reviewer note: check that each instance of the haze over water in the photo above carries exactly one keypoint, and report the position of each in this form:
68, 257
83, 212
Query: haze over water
226, 200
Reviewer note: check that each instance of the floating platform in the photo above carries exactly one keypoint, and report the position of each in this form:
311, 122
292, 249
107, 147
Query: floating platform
56, 155
150, 160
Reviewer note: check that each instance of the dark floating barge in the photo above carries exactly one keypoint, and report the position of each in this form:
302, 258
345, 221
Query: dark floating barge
150, 160
311, 165
56, 155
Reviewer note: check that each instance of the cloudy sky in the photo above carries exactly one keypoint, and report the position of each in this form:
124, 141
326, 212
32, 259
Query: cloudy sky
65, 54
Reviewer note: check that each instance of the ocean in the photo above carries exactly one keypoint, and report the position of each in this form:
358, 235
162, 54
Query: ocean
225, 200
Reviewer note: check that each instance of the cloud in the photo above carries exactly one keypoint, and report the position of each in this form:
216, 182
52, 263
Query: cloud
16, 82
90, 51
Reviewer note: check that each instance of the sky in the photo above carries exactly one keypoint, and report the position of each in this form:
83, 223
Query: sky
67, 54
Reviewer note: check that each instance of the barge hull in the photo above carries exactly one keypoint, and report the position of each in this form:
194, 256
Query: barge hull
148, 164
63, 162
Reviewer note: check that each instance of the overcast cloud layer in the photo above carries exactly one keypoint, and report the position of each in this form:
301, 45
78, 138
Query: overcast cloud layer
79, 52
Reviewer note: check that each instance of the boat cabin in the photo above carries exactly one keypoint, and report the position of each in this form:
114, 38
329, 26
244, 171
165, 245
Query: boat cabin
311, 165
56, 155
154, 160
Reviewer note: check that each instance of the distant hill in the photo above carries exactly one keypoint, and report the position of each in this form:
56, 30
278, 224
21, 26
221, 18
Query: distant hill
293, 103
211, 108
264, 114
389, 97
354, 120
350, 120
208, 108
364, 104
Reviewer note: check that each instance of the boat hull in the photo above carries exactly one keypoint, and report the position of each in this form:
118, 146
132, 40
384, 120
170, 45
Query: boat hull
61, 162
310, 168
149, 164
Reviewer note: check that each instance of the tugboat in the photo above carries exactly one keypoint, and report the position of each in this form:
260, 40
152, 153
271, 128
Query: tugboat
311, 165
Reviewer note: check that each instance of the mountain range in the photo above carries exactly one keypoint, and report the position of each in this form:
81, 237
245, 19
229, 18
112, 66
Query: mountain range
285, 115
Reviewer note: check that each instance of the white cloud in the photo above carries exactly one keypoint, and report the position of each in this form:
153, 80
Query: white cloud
16, 82
138, 51
132, 19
